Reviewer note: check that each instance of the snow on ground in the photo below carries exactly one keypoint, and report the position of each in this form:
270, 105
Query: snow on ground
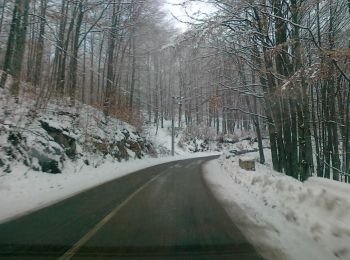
47, 138
161, 138
284, 218
82, 146
23, 190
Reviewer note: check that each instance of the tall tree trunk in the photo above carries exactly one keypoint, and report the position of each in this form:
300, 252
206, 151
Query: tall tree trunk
133, 68
40, 46
2, 7
16, 45
74, 58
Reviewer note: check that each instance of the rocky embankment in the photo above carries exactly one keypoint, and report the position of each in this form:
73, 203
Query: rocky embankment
45, 140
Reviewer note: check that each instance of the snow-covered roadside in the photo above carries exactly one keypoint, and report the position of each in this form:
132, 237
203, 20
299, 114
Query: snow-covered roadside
24, 191
282, 217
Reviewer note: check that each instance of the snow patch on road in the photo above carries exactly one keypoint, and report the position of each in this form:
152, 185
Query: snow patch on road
308, 220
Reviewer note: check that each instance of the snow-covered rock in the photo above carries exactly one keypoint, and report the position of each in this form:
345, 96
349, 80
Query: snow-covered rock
45, 139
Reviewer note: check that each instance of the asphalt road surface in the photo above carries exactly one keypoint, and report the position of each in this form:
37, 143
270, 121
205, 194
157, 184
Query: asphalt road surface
162, 212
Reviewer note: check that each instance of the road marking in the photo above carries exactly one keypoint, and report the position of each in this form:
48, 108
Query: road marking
75, 248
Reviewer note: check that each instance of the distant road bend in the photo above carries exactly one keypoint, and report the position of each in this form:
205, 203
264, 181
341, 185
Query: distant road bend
162, 212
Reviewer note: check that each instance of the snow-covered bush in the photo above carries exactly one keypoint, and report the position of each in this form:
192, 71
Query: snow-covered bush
123, 114
228, 138
201, 131
196, 138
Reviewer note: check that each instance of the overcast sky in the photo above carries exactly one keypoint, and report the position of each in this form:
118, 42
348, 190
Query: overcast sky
178, 9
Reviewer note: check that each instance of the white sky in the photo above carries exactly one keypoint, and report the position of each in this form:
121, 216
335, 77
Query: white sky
178, 9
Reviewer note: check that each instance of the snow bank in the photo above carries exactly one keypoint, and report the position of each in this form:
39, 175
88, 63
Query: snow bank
25, 190
308, 220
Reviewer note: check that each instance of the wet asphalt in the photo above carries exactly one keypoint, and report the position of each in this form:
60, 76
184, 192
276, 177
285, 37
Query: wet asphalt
161, 212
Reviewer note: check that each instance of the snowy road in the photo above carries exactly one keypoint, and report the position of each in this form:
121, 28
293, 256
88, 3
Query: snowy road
165, 211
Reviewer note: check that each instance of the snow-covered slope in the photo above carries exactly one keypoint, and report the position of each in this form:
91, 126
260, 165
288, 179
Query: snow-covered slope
186, 141
283, 217
49, 154
49, 139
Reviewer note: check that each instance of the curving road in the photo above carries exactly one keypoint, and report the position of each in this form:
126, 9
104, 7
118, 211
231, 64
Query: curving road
162, 212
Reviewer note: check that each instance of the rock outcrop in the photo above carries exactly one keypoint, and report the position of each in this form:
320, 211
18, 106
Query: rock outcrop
50, 139
247, 164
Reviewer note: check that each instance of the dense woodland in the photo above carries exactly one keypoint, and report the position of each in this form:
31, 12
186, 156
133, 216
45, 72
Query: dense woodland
277, 67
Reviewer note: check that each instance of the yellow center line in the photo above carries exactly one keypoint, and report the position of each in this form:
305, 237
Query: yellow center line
75, 248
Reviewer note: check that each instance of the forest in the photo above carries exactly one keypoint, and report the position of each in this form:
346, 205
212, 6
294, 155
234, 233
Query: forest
278, 68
